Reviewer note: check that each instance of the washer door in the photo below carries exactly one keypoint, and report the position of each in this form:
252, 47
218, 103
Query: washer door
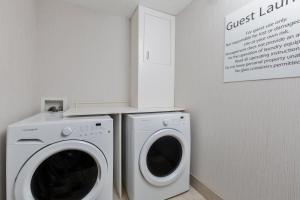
67, 170
163, 156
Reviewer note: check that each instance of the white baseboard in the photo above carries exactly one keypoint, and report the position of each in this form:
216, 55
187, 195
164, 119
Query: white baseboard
204, 190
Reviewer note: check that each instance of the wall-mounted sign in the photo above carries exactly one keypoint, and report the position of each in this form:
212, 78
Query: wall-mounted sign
262, 41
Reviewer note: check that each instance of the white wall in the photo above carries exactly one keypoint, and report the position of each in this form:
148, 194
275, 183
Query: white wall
18, 86
51, 48
83, 55
245, 135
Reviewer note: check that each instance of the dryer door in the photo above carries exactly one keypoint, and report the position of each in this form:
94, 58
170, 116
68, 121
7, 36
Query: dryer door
163, 157
67, 170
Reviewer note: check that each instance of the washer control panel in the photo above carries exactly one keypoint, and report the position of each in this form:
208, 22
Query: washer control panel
85, 130
92, 130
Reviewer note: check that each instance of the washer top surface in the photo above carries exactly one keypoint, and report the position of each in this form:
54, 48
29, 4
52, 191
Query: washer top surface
46, 117
47, 128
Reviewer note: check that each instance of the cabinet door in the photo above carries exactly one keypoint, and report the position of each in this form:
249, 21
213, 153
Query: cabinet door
157, 40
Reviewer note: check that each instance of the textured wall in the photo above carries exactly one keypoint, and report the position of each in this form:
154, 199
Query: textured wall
18, 73
83, 55
245, 135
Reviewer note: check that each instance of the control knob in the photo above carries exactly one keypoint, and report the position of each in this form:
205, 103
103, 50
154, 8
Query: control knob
166, 122
66, 131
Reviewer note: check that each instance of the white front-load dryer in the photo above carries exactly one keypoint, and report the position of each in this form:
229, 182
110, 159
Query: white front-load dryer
55, 158
157, 156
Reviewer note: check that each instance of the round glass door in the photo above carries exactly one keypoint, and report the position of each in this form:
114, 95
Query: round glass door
67, 175
68, 170
162, 158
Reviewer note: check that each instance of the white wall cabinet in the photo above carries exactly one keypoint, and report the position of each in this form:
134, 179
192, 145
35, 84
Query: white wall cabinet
152, 58
157, 40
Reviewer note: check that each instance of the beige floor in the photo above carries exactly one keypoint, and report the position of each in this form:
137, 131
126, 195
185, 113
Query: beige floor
190, 195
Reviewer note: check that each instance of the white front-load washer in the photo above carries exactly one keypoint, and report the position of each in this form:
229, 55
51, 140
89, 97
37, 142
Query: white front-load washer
157, 156
55, 158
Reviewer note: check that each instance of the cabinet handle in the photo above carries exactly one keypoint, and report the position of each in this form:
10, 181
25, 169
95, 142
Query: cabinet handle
147, 55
